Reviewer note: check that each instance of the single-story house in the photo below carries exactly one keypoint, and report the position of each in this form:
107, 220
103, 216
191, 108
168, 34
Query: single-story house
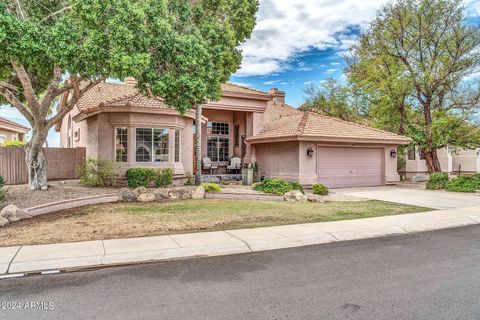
12, 131
452, 161
116, 122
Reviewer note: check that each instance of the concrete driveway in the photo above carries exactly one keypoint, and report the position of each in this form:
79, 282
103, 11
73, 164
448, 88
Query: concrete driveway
422, 198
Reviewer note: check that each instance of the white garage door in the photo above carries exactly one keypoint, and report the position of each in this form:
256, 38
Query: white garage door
349, 167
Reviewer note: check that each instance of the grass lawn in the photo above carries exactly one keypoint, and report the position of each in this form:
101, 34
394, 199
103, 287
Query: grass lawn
120, 220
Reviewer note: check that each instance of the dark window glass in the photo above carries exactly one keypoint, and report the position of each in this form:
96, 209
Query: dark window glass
144, 145
218, 128
411, 153
177, 145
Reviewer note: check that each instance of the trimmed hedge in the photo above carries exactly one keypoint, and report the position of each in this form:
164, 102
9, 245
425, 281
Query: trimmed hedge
212, 187
437, 181
2, 182
476, 179
320, 189
140, 177
3, 191
462, 184
164, 177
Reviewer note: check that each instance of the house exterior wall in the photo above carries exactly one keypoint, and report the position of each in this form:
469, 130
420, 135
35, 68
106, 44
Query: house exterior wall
9, 135
278, 160
466, 161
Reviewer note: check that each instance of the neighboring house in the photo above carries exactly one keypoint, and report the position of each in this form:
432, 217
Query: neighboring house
12, 131
452, 161
115, 122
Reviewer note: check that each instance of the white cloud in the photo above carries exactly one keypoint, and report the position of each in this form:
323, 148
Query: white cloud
268, 83
288, 28
331, 70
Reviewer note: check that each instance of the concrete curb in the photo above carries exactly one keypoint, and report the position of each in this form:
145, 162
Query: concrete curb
53, 258
71, 204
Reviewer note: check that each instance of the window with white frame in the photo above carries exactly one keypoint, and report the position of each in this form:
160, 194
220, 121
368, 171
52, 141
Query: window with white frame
14, 137
151, 145
177, 145
3, 138
218, 141
411, 153
121, 144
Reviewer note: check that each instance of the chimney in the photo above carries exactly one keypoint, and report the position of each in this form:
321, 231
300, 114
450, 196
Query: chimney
130, 81
279, 96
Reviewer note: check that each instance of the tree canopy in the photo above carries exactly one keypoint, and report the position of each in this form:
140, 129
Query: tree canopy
181, 50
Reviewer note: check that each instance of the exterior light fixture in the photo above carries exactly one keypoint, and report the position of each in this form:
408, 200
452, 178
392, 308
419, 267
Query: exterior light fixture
393, 154
310, 152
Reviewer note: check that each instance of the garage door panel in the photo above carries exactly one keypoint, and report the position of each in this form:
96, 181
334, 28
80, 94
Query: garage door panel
349, 167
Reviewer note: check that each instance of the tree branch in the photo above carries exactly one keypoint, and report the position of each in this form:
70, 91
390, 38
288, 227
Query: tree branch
14, 101
28, 91
52, 93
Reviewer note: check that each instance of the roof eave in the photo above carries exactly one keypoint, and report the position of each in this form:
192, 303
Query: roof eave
347, 140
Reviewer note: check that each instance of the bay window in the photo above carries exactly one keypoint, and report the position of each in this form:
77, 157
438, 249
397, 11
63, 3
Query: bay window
121, 144
151, 145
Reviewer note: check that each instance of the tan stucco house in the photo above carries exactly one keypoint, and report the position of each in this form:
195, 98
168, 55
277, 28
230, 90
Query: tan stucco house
116, 122
12, 131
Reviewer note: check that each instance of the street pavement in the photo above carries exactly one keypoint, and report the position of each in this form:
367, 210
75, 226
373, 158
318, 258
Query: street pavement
429, 275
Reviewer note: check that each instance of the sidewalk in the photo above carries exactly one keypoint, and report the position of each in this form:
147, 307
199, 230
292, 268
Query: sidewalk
71, 256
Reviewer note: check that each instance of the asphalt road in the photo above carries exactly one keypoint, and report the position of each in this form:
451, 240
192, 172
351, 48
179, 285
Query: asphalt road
433, 275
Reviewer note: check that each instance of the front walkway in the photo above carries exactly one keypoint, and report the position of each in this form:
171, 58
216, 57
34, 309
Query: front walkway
422, 198
70, 256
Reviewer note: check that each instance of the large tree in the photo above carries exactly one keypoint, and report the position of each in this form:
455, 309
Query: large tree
419, 57
181, 50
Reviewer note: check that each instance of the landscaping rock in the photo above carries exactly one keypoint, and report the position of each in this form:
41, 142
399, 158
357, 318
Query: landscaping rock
198, 192
315, 198
180, 193
140, 190
146, 197
161, 195
295, 195
13, 213
126, 195
44, 188
3, 221
419, 178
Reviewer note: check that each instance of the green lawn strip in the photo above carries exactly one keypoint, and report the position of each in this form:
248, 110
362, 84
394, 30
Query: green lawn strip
227, 214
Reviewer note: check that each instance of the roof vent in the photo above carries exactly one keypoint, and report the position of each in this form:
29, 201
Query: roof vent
130, 81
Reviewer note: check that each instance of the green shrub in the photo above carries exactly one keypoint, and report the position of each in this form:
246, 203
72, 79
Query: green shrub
274, 186
190, 179
462, 184
476, 179
140, 177
437, 181
18, 144
212, 187
164, 177
320, 189
3, 191
97, 173
298, 186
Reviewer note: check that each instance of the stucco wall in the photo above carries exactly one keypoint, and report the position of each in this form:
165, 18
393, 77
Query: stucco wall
419, 167
466, 161
391, 172
278, 160
8, 134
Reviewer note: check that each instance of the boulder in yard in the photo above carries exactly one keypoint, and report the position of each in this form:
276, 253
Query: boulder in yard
126, 195
146, 197
161, 195
295, 195
198, 192
13, 213
3, 221
180, 193
315, 198
140, 190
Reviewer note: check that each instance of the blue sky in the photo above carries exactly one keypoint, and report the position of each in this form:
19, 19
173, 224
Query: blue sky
295, 43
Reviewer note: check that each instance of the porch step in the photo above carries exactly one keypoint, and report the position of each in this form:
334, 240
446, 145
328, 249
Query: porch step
219, 178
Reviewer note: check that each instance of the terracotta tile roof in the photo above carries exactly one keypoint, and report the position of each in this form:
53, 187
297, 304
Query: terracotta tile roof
118, 95
13, 124
283, 121
237, 88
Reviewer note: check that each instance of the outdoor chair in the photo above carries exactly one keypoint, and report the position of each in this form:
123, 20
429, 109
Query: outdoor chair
208, 165
235, 164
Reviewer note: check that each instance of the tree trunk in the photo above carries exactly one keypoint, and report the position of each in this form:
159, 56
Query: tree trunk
198, 144
35, 160
37, 169
432, 162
